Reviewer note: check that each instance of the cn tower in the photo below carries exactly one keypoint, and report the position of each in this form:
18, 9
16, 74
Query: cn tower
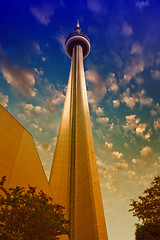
74, 179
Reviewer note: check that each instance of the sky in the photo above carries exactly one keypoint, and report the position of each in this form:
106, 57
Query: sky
123, 83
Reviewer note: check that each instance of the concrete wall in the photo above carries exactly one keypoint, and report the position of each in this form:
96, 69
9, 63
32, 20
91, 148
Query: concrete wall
19, 160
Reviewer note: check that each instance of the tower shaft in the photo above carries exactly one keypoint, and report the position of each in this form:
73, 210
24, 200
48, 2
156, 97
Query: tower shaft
74, 177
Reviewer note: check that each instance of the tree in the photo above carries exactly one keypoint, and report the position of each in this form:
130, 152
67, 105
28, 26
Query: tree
147, 209
25, 214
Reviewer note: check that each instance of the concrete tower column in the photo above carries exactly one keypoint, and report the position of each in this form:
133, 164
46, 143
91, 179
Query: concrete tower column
74, 177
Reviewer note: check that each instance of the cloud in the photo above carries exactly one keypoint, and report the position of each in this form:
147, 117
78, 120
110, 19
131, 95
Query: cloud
46, 147
136, 49
102, 120
141, 129
133, 69
94, 6
131, 122
120, 166
112, 83
43, 14
44, 59
112, 185
127, 29
99, 111
96, 87
134, 160
116, 103
148, 135
36, 126
3, 100
18, 77
146, 151
130, 101
117, 154
131, 174
32, 113
39, 72
143, 99
142, 4
106, 179
109, 145
54, 97
61, 38
32, 108
111, 126
36, 48
139, 80
157, 124
155, 74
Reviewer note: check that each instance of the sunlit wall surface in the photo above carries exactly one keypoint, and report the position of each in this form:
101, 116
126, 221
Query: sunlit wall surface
19, 160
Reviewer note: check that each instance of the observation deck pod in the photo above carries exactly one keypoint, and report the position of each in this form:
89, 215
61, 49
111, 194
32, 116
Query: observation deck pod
77, 38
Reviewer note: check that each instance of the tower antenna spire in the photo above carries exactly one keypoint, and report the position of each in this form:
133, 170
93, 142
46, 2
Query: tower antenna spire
78, 24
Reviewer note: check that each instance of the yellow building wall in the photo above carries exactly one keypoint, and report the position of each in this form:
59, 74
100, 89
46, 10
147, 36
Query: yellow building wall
19, 159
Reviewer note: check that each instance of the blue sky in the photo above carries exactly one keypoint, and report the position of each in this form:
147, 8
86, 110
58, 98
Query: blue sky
123, 83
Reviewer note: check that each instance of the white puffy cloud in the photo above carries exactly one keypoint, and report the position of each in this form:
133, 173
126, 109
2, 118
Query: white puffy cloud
34, 109
43, 14
132, 70
134, 160
120, 166
127, 29
117, 154
102, 120
3, 100
36, 48
38, 72
157, 124
44, 59
136, 48
116, 103
111, 127
130, 101
131, 122
36, 127
148, 135
96, 86
54, 97
140, 129
155, 74
99, 111
143, 99
142, 4
146, 151
112, 83
109, 144
61, 38
19, 77
46, 147
112, 184
139, 80
131, 174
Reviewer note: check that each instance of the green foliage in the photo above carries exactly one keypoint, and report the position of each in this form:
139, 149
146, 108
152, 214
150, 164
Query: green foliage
25, 214
147, 209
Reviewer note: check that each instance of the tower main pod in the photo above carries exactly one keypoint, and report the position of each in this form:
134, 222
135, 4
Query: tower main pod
74, 177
